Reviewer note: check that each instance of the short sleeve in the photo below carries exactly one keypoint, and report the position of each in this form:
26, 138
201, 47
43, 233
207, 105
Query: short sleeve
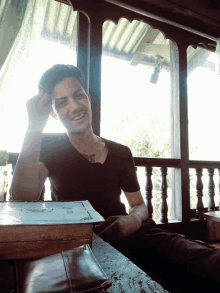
129, 181
44, 152
48, 150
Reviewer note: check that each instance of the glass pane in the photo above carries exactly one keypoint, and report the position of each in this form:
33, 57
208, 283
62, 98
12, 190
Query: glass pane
135, 107
203, 105
55, 44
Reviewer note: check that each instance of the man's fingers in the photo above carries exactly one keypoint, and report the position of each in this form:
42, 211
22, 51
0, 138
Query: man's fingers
106, 223
45, 99
43, 103
109, 234
40, 99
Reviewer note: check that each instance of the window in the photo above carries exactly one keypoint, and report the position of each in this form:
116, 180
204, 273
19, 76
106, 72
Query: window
135, 108
143, 91
203, 105
136, 96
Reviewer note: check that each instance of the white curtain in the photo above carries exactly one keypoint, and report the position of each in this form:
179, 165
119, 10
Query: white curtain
34, 35
26, 36
11, 17
30, 55
21, 43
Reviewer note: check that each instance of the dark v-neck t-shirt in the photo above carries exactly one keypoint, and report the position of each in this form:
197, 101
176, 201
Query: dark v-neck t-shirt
73, 177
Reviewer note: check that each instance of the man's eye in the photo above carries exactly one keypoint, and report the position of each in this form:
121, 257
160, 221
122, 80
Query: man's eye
61, 103
80, 96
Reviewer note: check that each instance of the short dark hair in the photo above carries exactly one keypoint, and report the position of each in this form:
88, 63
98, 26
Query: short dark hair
57, 73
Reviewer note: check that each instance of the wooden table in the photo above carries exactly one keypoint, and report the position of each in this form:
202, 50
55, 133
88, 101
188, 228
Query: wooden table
124, 274
213, 225
126, 277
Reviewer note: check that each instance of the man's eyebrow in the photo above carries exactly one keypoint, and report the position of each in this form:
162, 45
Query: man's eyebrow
76, 92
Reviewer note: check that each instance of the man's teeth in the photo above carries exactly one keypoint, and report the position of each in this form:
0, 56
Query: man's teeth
79, 117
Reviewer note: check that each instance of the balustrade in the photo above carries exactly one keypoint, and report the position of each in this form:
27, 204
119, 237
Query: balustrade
164, 192
211, 191
149, 193
150, 164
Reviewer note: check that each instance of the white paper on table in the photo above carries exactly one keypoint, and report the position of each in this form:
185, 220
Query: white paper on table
44, 213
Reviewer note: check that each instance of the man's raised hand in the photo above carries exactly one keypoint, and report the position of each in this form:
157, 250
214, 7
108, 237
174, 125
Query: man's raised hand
39, 108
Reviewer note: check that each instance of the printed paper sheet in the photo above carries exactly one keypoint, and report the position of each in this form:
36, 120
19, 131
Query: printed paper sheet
35, 213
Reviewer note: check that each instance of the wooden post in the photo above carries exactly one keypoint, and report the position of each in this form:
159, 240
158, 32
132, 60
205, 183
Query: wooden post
199, 189
219, 187
93, 10
83, 46
211, 190
164, 207
95, 66
148, 190
184, 202
176, 211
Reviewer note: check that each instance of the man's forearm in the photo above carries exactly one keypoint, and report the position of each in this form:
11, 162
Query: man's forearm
140, 212
26, 179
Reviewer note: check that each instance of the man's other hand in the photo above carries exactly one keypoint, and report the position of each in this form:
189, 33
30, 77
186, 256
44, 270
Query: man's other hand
118, 227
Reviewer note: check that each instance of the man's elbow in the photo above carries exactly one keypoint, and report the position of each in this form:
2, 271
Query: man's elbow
16, 195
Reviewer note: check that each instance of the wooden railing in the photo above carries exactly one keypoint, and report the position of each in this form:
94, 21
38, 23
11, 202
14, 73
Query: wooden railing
164, 164
199, 166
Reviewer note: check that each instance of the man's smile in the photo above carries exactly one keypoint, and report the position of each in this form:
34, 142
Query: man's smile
78, 116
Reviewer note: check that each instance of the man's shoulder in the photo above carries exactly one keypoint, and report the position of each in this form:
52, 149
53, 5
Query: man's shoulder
53, 137
52, 141
118, 149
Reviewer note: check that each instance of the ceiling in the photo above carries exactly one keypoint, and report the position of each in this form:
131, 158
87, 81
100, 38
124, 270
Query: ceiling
136, 41
207, 8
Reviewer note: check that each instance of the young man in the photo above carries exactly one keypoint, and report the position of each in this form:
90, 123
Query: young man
84, 166
79, 164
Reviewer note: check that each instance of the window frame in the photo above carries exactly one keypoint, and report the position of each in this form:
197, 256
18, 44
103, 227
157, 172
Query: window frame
182, 39
89, 52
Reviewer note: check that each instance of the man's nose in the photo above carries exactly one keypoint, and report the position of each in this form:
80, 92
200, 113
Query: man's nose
73, 105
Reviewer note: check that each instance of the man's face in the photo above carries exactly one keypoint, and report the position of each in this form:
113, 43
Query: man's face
72, 105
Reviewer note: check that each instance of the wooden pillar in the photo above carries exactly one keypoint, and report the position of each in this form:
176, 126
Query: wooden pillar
211, 190
176, 211
184, 203
89, 51
219, 186
83, 55
164, 208
148, 190
95, 66
199, 190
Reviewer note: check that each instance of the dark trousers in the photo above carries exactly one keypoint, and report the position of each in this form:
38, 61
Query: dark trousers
183, 263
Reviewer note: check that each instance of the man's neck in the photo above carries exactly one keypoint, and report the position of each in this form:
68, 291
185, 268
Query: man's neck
84, 141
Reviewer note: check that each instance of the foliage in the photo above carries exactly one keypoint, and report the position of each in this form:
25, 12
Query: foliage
3, 158
153, 140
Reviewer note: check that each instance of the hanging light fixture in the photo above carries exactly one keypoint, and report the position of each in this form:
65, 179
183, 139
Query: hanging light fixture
155, 75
